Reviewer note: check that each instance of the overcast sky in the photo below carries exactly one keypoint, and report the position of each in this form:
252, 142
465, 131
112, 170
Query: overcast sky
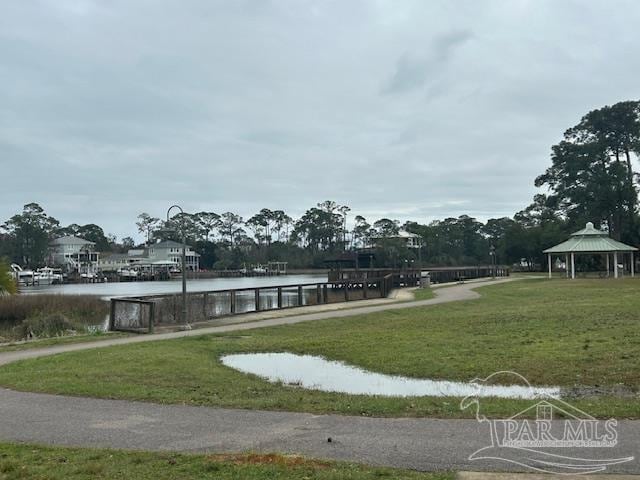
407, 109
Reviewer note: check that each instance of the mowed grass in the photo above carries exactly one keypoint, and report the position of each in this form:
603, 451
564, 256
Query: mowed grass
32, 461
556, 332
64, 340
423, 294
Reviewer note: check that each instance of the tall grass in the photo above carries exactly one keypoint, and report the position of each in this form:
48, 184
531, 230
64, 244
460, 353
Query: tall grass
26, 316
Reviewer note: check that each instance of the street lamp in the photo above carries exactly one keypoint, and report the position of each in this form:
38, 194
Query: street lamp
492, 253
183, 269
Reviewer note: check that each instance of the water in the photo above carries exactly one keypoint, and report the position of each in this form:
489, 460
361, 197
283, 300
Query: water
123, 289
317, 373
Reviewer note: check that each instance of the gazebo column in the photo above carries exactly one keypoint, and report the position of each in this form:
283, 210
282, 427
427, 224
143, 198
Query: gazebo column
633, 273
566, 264
608, 266
573, 265
615, 264
549, 262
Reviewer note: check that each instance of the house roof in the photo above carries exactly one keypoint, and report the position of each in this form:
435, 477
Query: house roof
590, 240
172, 244
71, 240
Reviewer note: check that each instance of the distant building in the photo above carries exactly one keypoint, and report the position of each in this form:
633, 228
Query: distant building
410, 240
170, 251
112, 262
74, 254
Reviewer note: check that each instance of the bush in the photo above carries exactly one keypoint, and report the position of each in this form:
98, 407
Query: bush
78, 312
53, 325
7, 283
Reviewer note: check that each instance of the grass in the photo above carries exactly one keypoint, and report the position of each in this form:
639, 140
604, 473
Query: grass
558, 332
24, 316
65, 340
32, 461
423, 294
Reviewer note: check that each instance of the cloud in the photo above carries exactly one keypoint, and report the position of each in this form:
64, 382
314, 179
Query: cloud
414, 110
413, 72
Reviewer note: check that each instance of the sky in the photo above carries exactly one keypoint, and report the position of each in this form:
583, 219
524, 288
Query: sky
412, 110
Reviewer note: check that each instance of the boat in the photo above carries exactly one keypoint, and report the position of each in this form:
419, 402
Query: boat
48, 276
128, 274
22, 277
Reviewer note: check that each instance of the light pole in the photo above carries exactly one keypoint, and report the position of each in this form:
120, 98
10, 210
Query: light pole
492, 253
183, 269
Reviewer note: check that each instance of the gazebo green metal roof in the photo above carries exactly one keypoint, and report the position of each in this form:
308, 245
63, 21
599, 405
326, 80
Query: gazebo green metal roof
590, 240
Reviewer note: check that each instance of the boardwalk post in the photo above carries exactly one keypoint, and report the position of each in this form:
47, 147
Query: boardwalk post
279, 297
112, 315
346, 291
204, 305
300, 298
152, 316
318, 294
140, 314
257, 296
365, 289
232, 298
325, 294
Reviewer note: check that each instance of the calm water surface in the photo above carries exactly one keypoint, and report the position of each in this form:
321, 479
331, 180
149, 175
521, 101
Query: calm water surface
317, 373
121, 289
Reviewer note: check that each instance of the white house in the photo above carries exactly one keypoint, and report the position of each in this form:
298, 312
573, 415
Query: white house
170, 251
410, 240
74, 254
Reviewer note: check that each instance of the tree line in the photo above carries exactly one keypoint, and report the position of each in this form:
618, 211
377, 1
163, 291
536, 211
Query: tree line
591, 178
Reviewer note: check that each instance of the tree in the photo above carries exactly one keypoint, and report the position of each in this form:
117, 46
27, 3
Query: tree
146, 225
95, 234
591, 177
320, 227
30, 233
281, 221
344, 210
386, 228
230, 226
261, 224
128, 243
208, 222
361, 231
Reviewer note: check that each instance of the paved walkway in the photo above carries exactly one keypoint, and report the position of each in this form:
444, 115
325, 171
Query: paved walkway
444, 294
423, 444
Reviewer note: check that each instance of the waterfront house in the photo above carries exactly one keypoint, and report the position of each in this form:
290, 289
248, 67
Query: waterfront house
74, 255
410, 240
170, 251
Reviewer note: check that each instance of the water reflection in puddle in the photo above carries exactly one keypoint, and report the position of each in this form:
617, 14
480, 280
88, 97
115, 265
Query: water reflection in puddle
317, 373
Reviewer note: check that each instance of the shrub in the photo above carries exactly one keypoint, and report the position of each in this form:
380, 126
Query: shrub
7, 283
52, 325
78, 311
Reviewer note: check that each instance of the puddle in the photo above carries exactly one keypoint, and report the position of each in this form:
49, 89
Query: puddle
317, 373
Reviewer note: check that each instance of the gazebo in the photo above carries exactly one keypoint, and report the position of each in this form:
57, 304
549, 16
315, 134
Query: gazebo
591, 241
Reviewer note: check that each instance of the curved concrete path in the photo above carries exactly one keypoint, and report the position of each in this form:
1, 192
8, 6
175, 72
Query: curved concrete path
422, 444
444, 294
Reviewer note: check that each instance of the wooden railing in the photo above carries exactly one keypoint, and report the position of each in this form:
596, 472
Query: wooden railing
144, 313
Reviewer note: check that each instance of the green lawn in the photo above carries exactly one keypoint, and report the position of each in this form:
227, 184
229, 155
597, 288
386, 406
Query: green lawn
559, 332
64, 340
31, 461
423, 294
